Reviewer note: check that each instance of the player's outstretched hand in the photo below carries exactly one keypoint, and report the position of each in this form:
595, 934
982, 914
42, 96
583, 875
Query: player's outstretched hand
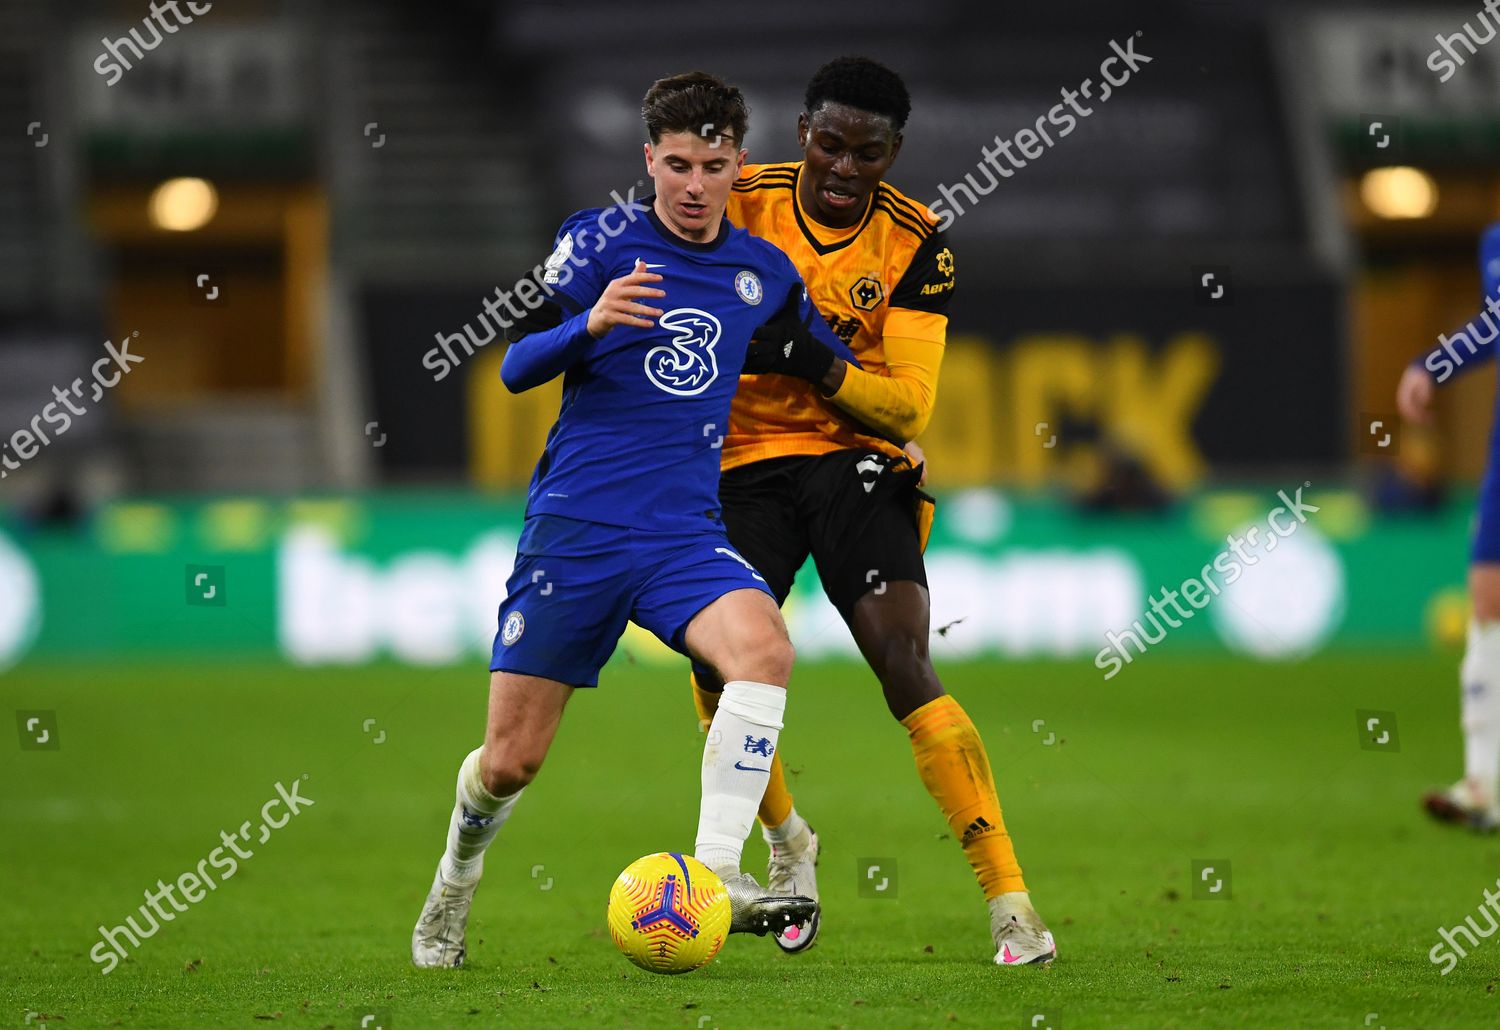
786, 345
620, 303
1414, 395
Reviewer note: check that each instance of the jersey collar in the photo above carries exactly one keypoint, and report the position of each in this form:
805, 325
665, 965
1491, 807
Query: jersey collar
807, 231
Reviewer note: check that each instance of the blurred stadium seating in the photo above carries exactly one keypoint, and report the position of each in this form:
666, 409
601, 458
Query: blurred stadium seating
379, 168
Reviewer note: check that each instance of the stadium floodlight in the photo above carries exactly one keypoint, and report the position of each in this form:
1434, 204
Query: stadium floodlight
184, 205
1399, 192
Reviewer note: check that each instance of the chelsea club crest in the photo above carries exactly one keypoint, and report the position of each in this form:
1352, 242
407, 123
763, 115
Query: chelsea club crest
747, 285
515, 625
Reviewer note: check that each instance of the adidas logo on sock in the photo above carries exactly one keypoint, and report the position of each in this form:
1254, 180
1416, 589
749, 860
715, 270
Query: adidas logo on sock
978, 828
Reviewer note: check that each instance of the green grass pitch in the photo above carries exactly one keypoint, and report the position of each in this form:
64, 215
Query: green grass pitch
1338, 884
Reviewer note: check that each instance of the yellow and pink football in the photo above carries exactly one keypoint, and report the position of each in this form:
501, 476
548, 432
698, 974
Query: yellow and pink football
668, 913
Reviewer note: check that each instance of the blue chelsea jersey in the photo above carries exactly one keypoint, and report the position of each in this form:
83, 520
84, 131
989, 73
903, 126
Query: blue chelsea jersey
1489, 260
645, 410
1473, 344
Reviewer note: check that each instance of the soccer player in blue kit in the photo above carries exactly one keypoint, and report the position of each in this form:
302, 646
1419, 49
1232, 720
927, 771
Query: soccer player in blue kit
1472, 800
622, 518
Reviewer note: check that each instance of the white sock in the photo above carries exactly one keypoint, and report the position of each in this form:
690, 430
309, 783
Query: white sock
1480, 679
477, 817
736, 768
791, 831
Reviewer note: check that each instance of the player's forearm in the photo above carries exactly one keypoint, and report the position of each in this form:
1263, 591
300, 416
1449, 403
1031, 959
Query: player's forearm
898, 406
899, 403
542, 357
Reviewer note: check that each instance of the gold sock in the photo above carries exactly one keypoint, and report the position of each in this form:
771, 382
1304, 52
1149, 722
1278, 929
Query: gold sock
776, 805
956, 770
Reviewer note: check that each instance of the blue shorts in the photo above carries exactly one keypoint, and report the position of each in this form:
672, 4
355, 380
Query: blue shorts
576, 584
1486, 546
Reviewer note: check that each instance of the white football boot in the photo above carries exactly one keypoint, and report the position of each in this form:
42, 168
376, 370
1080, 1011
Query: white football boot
1468, 802
759, 911
794, 870
1021, 938
438, 939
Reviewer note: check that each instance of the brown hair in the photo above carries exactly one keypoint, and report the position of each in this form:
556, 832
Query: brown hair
695, 102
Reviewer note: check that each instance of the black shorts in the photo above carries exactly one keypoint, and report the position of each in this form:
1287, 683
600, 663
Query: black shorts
855, 511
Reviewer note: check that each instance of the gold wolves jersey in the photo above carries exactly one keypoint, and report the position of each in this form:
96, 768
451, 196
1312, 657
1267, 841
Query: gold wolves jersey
890, 275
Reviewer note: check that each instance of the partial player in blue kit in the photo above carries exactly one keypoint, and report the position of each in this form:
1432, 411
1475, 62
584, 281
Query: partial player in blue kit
650, 314
1472, 800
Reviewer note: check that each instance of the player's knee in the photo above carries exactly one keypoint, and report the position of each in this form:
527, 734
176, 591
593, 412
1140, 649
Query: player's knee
1484, 588
906, 674
506, 770
765, 657
905, 654
774, 659
784, 656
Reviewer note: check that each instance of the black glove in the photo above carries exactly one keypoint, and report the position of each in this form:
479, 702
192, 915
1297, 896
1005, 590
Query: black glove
787, 346
546, 315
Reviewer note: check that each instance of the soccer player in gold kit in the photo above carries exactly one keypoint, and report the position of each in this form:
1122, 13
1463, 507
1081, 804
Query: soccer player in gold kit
813, 463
